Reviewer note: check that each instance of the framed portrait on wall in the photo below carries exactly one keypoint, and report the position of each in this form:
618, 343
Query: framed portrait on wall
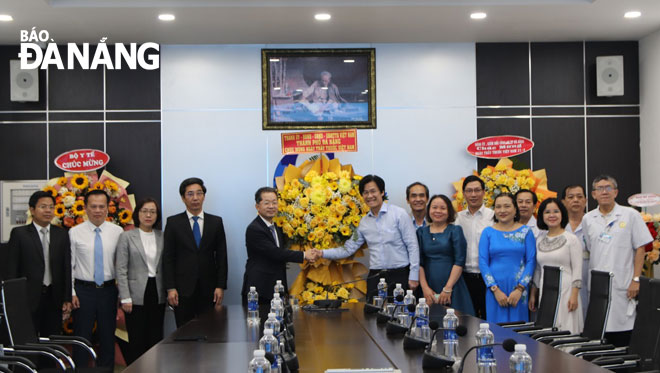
318, 88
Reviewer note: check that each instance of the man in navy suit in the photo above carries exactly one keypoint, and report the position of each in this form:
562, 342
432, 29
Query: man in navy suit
194, 256
267, 256
41, 252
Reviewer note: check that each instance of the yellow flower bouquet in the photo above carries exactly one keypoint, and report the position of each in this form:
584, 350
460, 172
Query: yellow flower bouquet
503, 178
320, 206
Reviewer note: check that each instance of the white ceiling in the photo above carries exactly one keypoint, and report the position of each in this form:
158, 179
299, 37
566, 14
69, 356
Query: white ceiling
353, 21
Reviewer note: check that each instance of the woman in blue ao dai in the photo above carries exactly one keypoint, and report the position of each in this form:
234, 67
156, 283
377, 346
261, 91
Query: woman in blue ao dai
507, 258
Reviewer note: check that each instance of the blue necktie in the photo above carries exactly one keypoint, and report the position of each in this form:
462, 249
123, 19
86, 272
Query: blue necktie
196, 233
98, 258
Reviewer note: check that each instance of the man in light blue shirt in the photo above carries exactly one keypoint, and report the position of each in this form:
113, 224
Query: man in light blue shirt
389, 233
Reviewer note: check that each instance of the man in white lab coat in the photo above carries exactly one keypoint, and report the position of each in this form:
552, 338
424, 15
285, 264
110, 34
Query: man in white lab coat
615, 237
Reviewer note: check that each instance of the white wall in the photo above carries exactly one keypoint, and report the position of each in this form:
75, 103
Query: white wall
649, 92
211, 127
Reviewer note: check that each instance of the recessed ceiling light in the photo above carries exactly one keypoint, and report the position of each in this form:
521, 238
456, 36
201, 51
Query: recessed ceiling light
6, 18
478, 15
166, 17
633, 14
349, 61
322, 16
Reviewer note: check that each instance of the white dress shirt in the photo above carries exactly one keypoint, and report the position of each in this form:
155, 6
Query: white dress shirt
82, 250
269, 225
200, 221
473, 225
535, 228
149, 243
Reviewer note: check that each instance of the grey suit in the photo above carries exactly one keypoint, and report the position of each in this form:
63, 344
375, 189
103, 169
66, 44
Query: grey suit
131, 267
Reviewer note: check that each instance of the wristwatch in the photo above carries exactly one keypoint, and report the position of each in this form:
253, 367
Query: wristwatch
493, 288
636, 278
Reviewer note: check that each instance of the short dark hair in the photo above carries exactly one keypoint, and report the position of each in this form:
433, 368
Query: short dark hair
262, 190
564, 213
426, 189
535, 199
605, 177
567, 187
190, 181
472, 178
369, 178
139, 206
98, 192
451, 213
36, 196
515, 204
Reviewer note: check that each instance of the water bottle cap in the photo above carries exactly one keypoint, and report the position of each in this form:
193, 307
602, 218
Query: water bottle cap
278, 282
484, 325
450, 311
271, 314
259, 353
520, 347
253, 288
398, 286
408, 292
422, 301
382, 280
276, 295
268, 331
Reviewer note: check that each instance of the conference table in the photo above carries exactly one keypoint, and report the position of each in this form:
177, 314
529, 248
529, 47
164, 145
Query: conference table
221, 341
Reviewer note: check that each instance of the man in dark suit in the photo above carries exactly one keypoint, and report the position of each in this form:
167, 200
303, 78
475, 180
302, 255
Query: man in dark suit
194, 256
41, 252
267, 256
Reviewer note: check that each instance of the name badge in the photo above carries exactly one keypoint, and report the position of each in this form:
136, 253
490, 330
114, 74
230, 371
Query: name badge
604, 237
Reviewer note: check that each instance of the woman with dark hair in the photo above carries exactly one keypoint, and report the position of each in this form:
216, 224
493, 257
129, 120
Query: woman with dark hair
507, 257
442, 249
140, 278
560, 248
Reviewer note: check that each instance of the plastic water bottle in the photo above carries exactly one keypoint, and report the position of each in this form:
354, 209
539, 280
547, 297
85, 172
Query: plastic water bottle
269, 343
450, 341
485, 359
279, 288
272, 323
520, 361
382, 293
398, 290
422, 330
278, 310
259, 364
253, 306
275, 296
406, 316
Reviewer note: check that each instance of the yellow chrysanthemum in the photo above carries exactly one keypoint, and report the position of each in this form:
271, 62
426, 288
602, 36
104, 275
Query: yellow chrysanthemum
344, 185
79, 181
78, 208
62, 181
298, 213
345, 231
304, 202
301, 231
510, 172
310, 175
50, 190
486, 171
318, 196
125, 216
60, 210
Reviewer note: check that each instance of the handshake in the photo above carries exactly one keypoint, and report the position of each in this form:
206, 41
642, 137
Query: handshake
313, 255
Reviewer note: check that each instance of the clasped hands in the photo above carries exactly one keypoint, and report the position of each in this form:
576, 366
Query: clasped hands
511, 300
313, 255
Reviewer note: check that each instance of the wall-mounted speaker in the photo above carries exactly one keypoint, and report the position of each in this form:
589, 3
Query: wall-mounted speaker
609, 76
24, 83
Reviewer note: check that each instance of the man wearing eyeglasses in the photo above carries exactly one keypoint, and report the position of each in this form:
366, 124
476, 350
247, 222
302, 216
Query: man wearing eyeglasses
194, 256
473, 220
615, 237
41, 252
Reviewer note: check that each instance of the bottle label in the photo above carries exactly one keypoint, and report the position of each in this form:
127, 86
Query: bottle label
252, 305
259, 370
382, 293
421, 321
450, 335
485, 353
267, 347
520, 366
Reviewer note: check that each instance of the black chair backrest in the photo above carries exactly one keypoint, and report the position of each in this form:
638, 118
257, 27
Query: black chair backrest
645, 329
550, 295
17, 312
599, 305
655, 322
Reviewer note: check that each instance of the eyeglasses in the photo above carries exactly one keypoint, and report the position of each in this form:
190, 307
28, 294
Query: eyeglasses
46, 207
606, 188
268, 203
198, 193
473, 191
148, 212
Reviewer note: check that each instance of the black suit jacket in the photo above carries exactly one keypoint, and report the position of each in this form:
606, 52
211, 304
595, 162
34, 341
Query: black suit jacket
184, 264
266, 262
26, 259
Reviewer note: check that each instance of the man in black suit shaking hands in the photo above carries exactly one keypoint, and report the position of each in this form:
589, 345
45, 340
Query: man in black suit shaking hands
267, 256
194, 256
41, 252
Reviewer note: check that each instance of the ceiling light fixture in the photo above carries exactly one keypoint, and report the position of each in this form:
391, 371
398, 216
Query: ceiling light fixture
166, 17
478, 15
633, 14
6, 18
349, 61
322, 16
